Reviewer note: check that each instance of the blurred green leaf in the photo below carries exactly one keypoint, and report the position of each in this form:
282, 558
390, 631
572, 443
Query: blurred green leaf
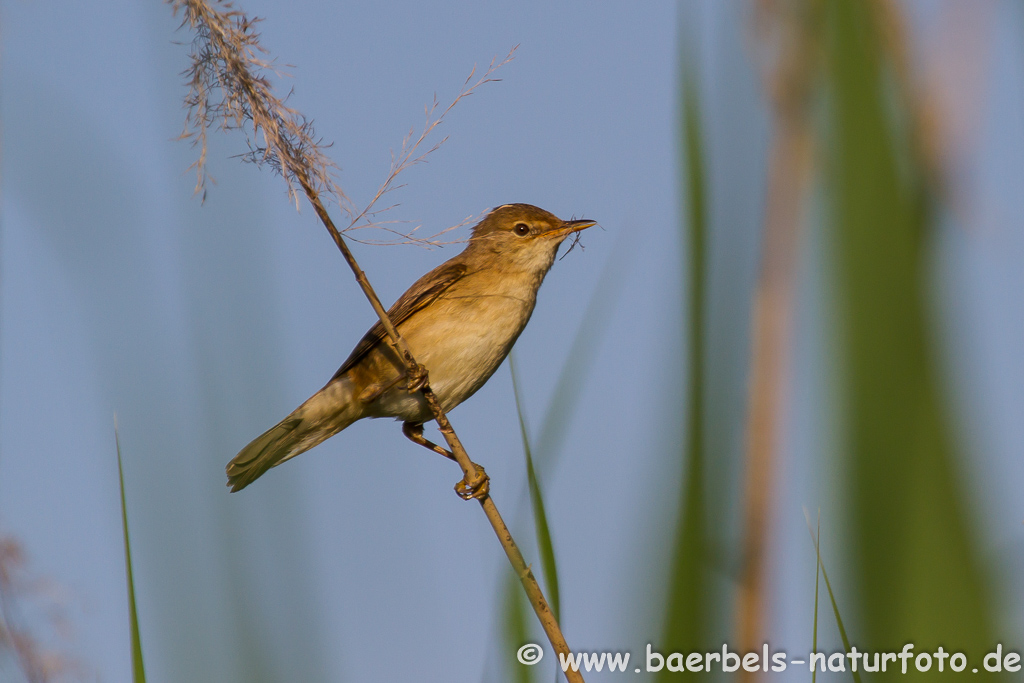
540, 518
913, 550
689, 607
568, 389
515, 631
138, 668
580, 359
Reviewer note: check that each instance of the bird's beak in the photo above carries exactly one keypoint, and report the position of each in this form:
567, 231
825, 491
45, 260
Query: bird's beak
568, 227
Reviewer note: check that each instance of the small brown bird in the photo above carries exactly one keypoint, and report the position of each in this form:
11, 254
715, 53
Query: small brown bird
460, 320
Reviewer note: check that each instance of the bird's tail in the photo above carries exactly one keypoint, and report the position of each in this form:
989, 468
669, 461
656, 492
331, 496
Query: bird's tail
322, 416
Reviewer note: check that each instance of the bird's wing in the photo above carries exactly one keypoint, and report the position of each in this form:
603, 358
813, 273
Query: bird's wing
422, 293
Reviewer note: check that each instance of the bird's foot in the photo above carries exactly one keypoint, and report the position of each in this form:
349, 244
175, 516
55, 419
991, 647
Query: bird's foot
417, 378
479, 488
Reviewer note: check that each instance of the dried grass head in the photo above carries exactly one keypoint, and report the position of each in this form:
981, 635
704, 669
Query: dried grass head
32, 617
229, 89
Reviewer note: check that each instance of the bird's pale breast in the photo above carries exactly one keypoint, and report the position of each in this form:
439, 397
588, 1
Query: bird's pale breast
462, 338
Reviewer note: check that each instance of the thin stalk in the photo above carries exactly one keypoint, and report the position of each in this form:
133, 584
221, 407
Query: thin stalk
790, 80
470, 470
226, 61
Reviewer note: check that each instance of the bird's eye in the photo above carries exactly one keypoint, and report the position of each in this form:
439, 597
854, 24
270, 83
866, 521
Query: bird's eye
522, 229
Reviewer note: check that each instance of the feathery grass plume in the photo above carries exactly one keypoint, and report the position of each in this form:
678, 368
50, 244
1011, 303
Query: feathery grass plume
411, 152
229, 88
25, 600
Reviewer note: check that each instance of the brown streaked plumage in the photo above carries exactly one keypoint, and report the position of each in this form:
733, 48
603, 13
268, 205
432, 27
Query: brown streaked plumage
460, 321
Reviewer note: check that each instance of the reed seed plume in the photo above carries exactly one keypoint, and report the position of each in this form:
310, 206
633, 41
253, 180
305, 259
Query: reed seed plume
229, 89
412, 151
28, 607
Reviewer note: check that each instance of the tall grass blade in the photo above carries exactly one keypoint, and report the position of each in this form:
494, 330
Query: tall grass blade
817, 574
831, 596
835, 611
540, 518
138, 668
689, 606
568, 389
920, 575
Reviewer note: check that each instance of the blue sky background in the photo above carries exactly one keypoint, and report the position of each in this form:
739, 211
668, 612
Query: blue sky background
201, 325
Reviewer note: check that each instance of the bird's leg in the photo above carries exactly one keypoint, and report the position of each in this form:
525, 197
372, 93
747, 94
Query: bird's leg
414, 432
478, 489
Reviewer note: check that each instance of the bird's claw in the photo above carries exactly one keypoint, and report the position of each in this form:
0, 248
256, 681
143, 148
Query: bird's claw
417, 378
480, 488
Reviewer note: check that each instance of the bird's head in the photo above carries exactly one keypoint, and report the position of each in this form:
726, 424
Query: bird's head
521, 236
